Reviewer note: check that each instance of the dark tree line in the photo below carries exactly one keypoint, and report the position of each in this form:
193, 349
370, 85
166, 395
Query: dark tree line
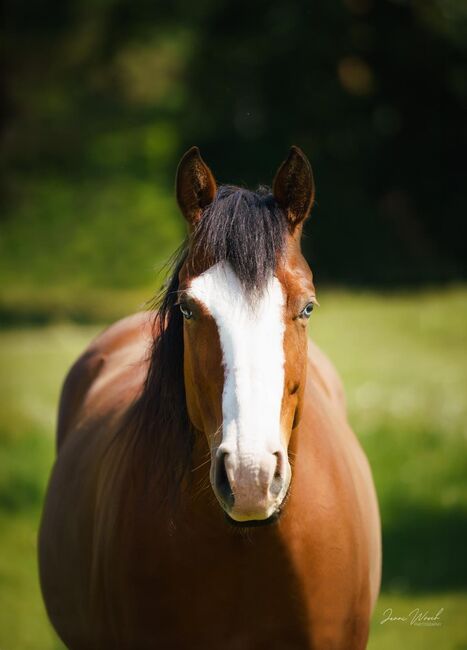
374, 91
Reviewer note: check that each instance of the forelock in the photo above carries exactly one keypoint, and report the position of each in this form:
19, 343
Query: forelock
244, 228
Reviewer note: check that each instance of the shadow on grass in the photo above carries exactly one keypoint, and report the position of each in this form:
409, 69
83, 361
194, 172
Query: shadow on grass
424, 548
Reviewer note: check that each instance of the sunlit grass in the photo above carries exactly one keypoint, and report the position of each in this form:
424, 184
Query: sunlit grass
397, 635
32, 363
402, 358
23, 622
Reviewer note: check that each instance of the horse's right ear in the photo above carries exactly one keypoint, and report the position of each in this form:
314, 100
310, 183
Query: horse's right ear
195, 186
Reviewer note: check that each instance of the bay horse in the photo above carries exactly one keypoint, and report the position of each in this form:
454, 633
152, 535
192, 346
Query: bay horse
208, 491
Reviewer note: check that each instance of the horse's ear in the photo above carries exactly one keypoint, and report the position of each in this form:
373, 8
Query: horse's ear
195, 185
294, 187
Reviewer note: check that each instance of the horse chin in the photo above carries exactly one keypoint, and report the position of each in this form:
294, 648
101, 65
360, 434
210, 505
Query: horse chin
257, 523
254, 523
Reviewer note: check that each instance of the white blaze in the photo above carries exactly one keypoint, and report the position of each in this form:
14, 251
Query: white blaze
252, 341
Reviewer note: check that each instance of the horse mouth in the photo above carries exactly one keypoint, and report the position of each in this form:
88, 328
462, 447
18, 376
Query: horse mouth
258, 523
254, 523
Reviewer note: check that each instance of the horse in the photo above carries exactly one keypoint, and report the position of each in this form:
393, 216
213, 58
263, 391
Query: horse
208, 491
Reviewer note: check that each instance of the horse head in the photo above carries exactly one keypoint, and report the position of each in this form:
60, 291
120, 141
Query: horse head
246, 293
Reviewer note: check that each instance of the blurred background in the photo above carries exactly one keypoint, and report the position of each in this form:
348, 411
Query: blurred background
101, 98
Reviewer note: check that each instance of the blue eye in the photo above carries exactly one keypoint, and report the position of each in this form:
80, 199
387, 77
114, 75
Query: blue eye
186, 311
306, 311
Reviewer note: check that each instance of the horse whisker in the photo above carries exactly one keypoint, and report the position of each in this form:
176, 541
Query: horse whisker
201, 464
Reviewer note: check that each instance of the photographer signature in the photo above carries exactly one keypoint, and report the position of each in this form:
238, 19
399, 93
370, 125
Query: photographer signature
415, 617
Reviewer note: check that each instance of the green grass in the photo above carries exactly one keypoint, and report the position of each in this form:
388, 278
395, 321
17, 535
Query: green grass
395, 635
32, 365
403, 361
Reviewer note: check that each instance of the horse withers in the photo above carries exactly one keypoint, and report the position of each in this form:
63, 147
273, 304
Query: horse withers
208, 491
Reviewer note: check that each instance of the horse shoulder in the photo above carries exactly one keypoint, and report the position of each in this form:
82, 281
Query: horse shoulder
115, 354
323, 371
338, 460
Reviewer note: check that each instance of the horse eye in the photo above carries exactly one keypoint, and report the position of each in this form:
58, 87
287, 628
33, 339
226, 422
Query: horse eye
186, 311
306, 312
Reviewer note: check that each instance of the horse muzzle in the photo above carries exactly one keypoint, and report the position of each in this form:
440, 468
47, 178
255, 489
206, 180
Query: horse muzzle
250, 486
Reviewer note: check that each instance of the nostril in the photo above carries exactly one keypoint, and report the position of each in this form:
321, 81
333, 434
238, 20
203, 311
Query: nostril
223, 487
277, 479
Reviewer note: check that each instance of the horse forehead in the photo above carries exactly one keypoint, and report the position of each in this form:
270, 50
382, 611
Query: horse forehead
222, 294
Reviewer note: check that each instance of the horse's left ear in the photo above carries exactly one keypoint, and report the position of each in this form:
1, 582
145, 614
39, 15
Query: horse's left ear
294, 187
195, 186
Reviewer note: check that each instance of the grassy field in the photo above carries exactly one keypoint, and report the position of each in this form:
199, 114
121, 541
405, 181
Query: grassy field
403, 361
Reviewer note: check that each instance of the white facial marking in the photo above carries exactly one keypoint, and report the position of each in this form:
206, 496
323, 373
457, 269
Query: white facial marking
252, 342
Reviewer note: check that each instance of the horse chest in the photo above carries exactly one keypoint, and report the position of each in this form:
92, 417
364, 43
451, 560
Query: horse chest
194, 590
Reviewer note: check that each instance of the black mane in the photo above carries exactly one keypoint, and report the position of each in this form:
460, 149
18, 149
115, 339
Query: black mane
247, 230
